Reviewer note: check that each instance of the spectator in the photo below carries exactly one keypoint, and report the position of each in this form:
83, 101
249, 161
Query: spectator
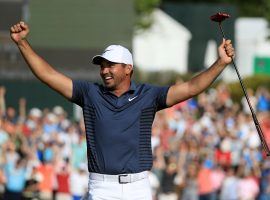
229, 189
190, 191
205, 184
248, 187
46, 184
155, 184
263, 99
31, 190
79, 182
63, 187
34, 119
217, 178
79, 152
168, 180
265, 180
2, 183
15, 173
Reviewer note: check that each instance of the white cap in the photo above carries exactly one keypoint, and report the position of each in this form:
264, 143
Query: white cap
35, 112
114, 53
52, 117
58, 110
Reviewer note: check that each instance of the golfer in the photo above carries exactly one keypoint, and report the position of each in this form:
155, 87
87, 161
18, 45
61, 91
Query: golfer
118, 115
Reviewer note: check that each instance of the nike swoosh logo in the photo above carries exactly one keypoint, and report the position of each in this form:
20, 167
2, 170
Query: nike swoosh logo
131, 99
106, 50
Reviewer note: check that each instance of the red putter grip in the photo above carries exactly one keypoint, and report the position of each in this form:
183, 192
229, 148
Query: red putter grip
219, 17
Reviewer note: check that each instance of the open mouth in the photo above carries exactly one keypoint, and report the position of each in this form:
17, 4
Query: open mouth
107, 79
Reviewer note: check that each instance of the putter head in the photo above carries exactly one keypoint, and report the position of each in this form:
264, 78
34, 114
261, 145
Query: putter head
219, 17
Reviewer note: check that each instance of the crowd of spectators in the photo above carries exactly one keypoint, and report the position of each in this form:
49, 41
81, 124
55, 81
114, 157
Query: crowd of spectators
42, 154
208, 148
204, 148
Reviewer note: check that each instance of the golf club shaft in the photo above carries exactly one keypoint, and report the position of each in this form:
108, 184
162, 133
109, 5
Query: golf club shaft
255, 120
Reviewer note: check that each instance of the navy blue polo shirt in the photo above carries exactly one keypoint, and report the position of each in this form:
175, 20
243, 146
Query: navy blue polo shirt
118, 129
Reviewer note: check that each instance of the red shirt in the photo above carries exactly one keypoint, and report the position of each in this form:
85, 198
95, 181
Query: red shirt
63, 182
223, 158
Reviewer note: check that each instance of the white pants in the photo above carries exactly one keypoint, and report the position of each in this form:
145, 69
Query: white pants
171, 196
112, 190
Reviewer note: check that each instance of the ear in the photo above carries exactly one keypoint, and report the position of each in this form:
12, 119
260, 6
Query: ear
128, 69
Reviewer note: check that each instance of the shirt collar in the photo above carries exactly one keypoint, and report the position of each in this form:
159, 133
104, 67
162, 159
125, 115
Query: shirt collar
131, 89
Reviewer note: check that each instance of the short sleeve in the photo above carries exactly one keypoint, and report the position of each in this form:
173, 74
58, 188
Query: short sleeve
80, 91
161, 93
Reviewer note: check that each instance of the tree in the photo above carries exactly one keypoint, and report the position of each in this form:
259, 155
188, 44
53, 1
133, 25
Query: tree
247, 8
144, 9
267, 10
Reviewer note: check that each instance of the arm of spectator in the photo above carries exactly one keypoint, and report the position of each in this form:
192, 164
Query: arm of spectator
22, 110
180, 92
161, 164
40, 68
4, 152
2, 101
24, 147
2, 177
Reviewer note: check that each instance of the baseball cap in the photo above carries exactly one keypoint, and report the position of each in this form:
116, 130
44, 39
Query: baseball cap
35, 112
114, 53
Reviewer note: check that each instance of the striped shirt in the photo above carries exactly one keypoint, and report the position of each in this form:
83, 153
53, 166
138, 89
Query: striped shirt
118, 129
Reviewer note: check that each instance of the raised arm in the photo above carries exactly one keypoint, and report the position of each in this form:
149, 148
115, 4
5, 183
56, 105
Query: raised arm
41, 69
180, 92
2, 101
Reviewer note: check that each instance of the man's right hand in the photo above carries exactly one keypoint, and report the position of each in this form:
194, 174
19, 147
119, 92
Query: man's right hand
41, 69
18, 32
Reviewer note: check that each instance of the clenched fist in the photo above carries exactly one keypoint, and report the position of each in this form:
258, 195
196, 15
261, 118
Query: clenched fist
226, 51
18, 32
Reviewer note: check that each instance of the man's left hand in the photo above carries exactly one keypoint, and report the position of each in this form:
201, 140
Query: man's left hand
226, 52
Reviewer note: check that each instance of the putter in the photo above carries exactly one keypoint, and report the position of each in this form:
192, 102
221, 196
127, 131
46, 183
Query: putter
220, 17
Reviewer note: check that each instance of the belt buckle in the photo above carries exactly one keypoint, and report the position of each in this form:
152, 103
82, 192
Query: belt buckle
122, 181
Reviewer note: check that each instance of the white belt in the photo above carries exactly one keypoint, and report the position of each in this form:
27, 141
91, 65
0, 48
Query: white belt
121, 178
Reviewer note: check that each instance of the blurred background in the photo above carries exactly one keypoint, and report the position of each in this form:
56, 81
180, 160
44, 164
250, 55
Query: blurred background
204, 148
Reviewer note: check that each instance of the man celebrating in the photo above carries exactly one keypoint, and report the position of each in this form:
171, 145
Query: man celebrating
118, 115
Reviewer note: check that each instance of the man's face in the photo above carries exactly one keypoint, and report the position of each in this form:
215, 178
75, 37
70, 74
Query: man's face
112, 74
